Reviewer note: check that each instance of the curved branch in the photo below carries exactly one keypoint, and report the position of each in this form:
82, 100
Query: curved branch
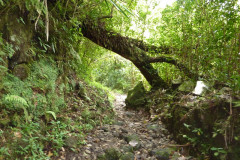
180, 66
122, 46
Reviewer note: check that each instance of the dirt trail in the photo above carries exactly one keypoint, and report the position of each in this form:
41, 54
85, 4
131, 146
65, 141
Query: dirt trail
131, 137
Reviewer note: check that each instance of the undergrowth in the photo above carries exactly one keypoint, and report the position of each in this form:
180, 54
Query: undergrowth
43, 114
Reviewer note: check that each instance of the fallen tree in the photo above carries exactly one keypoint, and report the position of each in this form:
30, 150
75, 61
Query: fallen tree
133, 50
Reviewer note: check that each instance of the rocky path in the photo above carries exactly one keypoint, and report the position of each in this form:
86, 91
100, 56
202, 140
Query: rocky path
131, 137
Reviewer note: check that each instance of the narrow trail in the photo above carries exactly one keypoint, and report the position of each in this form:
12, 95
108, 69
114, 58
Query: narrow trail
132, 134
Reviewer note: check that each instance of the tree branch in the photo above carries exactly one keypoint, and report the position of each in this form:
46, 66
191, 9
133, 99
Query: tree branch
150, 48
180, 66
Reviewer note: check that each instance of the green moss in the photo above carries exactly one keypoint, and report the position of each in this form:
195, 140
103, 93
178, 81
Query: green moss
21, 71
187, 86
136, 96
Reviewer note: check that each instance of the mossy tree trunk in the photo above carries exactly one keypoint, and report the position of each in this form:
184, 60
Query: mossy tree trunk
133, 50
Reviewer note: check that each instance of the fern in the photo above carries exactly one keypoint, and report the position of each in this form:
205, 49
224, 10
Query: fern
16, 99
52, 113
21, 102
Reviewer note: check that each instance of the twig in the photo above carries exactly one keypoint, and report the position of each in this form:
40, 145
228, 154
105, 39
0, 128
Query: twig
176, 145
47, 20
75, 9
225, 139
108, 16
39, 14
66, 9
231, 112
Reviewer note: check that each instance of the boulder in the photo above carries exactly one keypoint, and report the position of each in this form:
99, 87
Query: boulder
136, 97
201, 88
71, 141
186, 86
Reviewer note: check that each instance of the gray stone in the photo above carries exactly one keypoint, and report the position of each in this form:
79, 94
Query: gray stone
135, 144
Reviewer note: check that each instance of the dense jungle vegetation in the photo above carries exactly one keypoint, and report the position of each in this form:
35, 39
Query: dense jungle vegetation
63, 61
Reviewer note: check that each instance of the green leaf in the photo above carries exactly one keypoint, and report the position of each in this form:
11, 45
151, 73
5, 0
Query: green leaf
214, 149
1, 2
237, 104
107, 4
186, 125
52, 113
216, 154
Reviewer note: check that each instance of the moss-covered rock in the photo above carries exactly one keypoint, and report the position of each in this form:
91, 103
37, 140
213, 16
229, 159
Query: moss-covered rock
161, 154
21, 71
186, 86
110, 154
71, 142
132, 137
127, 156
136, 97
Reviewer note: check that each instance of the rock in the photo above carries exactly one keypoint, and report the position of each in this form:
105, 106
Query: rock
105, 129
71, 142
161, 154
127, 156
200, 88
127, 148
21, 71
129, 138
116, 134
135, 144
88, 151
124, 130
176, 83
186, 86
135, 97
153, 127
119, 123
110, 154
129, 114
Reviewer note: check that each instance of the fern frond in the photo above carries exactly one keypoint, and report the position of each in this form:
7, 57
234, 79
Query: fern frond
16, 99
52, 113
